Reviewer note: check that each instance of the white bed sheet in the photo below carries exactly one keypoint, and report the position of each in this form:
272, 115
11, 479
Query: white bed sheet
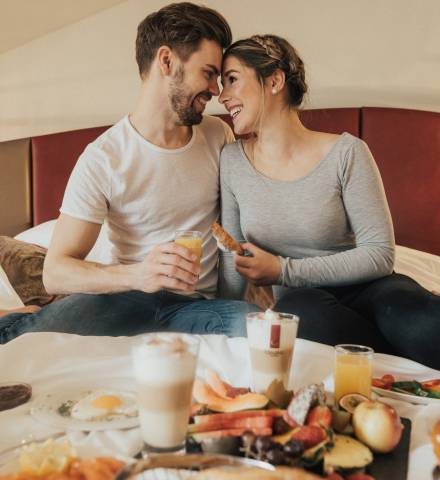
60, 359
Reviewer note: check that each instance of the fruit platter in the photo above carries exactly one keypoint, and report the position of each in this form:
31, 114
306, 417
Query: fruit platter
294, 430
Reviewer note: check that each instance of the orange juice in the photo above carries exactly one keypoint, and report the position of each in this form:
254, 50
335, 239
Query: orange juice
192, 243
191, 239
353, 370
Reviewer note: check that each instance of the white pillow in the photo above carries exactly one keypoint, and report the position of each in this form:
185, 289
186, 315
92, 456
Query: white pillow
42, 234
8, 296
423, 267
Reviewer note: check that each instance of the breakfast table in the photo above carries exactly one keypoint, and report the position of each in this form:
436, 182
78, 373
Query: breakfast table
54, 362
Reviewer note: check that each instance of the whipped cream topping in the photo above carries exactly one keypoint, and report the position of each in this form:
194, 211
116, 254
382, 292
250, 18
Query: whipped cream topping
160, 344
270, 315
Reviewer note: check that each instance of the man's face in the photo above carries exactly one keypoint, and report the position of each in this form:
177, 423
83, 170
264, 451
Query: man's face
195, 82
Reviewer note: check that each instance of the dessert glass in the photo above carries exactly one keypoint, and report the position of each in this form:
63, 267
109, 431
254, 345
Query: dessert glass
271, 338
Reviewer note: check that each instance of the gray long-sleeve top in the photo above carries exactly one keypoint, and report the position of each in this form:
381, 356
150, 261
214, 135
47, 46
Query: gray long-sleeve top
330, 227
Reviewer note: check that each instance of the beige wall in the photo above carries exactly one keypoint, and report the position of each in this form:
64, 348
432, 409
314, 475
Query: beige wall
357, 52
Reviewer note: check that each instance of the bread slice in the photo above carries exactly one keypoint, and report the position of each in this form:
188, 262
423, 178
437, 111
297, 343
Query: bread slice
226, 240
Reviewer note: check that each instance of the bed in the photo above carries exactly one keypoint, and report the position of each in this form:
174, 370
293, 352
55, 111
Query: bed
405, 144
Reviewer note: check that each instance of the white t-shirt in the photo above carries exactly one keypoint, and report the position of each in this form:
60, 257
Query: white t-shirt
145, 192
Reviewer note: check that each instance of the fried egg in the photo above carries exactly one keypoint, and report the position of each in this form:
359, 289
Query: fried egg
105, 405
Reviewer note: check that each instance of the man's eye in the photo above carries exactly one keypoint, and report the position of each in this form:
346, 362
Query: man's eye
209, 75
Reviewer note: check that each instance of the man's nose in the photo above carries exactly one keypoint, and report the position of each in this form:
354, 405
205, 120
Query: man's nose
213, 88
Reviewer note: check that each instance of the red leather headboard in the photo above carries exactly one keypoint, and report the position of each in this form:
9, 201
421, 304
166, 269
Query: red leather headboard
406, 146
333, 120
53, 159
330, 120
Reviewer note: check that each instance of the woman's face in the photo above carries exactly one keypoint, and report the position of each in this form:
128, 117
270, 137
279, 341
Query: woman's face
241, 95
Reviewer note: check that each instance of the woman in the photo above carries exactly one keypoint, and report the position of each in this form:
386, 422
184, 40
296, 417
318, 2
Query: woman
312, 210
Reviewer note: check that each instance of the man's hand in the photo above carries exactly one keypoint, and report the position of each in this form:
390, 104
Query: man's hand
168, 265
262, 268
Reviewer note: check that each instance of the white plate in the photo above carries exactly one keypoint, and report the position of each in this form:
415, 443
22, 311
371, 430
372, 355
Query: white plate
9, 460
406, 397
45, 406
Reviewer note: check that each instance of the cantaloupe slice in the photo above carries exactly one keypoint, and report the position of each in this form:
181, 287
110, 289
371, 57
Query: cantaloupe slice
203, 393
221, 388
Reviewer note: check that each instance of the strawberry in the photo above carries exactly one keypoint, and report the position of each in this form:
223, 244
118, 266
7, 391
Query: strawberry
309, 435
319, 416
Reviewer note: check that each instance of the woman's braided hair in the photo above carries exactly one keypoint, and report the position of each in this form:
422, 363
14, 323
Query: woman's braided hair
265, 54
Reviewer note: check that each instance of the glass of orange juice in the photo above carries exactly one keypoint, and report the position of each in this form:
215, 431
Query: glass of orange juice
353, 370
191, 239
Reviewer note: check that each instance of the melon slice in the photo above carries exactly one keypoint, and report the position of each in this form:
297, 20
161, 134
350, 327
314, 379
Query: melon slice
233, 415
246, 422
203, 393
221, 388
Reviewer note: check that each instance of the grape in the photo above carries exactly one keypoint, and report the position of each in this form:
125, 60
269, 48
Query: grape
275, 456
280, 426
294, 448
248, 439
263, 444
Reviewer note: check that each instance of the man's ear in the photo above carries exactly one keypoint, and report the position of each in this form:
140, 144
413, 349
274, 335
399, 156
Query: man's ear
277, 81
165, 57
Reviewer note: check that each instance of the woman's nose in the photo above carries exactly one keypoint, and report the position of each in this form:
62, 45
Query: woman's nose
222, 96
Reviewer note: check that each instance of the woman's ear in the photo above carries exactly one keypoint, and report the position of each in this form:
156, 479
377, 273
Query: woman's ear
277, 81
164, 57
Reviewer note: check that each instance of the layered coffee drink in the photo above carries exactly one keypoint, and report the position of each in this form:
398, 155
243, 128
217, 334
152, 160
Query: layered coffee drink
271, 338
164, 367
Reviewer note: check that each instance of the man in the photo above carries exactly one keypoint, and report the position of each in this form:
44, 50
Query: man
152, 173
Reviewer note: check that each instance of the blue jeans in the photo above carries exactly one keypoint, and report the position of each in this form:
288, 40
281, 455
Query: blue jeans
131, 313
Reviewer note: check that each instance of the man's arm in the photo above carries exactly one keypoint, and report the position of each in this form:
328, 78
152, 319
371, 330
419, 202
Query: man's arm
65, 270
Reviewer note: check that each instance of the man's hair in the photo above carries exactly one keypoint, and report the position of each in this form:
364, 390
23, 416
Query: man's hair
180, 26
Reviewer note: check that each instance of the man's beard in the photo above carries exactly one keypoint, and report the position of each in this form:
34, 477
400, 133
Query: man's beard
182, 102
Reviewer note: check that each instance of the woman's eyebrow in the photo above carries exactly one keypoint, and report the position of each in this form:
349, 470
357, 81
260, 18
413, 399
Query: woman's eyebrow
228, 72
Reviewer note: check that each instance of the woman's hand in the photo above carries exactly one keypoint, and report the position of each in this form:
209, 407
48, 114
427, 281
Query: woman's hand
262, 268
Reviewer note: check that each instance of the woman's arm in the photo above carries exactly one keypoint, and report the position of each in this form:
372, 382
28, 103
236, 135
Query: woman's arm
231, 284
369, 218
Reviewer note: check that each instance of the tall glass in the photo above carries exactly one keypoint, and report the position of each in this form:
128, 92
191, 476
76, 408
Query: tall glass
271, 338
353, 370
191, 239
164, 369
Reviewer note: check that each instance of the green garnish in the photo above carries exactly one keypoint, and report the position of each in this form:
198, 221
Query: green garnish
65, 409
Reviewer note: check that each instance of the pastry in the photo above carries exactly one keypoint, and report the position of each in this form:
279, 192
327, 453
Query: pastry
226, 240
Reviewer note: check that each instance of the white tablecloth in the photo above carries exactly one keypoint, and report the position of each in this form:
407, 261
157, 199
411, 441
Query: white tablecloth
49, 361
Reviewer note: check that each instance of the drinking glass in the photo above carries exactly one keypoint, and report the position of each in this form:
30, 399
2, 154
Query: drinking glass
164, 369
191, 239
353, 370
271, 337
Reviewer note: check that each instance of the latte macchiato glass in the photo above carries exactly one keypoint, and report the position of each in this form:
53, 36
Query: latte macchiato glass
271, 338
164, 368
